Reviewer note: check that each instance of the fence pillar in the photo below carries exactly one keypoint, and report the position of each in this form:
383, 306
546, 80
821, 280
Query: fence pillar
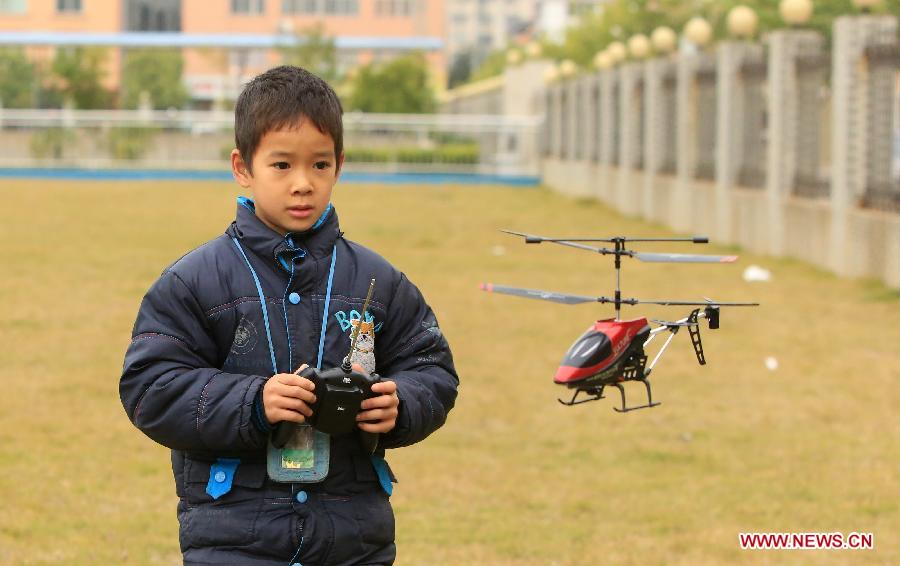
686, 136
630, 108
850, 109
68, 113
607, 133
573, 115
592, 120
557, 129
730, 123
785, 46
655, 129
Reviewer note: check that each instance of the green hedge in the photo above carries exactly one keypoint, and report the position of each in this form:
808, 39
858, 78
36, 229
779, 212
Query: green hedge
130, 143
51, 142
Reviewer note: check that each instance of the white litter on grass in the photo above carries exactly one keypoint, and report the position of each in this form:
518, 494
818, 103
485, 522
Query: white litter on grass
498, 250
757, 273
771, 363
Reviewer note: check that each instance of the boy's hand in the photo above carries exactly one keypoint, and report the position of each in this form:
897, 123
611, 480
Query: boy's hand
286, 397
379, 414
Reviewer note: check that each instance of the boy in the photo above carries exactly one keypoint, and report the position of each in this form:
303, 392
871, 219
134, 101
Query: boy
210, 369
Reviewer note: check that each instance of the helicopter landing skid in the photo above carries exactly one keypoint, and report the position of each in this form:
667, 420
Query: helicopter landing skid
625, 408
596, 393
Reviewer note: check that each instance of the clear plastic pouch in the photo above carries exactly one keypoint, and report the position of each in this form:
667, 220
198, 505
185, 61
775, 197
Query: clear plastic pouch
304, 459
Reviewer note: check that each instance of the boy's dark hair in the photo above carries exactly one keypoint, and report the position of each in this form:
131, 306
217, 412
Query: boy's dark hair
280, 97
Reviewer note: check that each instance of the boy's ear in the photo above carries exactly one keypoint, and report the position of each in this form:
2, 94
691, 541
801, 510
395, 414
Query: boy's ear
239, 169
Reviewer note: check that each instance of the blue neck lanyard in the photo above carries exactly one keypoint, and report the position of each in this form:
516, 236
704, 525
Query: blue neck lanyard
265, 311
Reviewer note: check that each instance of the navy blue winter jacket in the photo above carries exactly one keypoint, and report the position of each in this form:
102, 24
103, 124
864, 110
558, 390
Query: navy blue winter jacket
200, 352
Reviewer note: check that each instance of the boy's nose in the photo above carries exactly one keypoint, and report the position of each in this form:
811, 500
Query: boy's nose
301, 185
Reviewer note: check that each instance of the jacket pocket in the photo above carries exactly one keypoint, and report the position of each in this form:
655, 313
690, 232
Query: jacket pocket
375, 518
227, 521
196, 477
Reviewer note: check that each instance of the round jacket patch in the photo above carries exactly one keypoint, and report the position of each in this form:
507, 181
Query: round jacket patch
245, 337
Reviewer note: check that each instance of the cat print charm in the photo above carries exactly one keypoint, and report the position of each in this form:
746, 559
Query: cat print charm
364, 353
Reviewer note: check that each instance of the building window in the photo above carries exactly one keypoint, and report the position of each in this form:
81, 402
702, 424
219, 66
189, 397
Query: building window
13, 6
394, 8
68, 5
341, 7
153, 15
300, 6
330, 7
248, 6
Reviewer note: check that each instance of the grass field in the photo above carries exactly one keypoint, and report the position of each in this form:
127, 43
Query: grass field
514, 477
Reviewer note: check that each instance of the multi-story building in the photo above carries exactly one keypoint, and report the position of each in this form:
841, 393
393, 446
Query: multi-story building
477, 27
226, 41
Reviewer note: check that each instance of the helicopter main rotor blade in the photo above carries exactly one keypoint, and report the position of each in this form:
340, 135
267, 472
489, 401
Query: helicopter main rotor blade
568, 299
684, 258
687, 303
541, 295
534, 239
713, 303
646, 257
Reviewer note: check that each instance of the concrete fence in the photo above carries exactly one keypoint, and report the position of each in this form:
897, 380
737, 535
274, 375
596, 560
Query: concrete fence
783, 148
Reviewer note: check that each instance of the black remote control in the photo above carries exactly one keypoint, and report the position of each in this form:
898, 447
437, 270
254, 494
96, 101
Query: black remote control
339, 393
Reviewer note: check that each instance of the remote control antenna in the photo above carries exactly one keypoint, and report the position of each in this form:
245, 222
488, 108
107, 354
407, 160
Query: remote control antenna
346, 365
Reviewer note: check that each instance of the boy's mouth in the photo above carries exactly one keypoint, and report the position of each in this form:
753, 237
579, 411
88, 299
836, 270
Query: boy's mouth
300, 211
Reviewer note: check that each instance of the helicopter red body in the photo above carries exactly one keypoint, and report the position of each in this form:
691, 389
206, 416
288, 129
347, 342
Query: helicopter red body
603, 349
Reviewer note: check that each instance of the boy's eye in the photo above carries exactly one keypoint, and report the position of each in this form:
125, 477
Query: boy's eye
281, 165
322, 165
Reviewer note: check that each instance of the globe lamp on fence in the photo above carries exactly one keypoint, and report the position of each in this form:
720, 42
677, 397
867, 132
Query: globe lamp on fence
742, 22
698, 31
616, 50
551, 74
533, 49
603, 60
567, 68
639, 46
513, 57
663, 39
795, 12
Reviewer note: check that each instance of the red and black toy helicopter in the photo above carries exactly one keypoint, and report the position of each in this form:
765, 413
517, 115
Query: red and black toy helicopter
612, 350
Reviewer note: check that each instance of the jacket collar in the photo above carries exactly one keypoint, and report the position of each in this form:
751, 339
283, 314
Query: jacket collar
317, 242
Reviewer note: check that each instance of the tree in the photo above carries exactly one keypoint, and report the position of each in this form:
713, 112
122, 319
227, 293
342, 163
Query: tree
81, 71
491, 66
399, 86
461, 69
314, 51
156, 71
17, 79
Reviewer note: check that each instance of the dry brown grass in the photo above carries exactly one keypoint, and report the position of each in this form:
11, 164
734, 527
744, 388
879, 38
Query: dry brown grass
514, 477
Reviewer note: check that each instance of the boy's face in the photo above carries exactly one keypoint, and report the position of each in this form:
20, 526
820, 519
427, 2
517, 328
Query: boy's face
294, 172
